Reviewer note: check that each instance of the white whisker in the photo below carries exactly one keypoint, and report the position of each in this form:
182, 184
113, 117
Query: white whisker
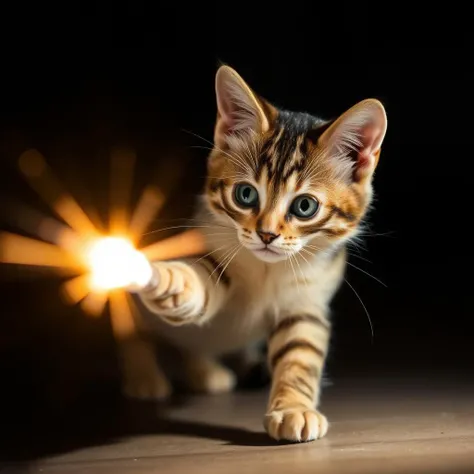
228, 263
300, 269
288, 254
365, 309
163, 229
208, 254
223, 260
368, 274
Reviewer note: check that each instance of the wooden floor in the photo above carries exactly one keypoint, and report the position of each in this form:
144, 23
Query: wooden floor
378, 426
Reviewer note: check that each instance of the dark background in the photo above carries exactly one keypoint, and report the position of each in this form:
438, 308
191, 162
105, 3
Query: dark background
78, 82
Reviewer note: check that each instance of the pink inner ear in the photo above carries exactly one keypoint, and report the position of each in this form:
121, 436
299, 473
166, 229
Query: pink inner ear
363, 161
226, 120
229, 115
227, 124
225, 107
362, 166
370, 137
365, 157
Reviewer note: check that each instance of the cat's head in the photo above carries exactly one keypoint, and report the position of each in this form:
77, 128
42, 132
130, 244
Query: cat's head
289, 180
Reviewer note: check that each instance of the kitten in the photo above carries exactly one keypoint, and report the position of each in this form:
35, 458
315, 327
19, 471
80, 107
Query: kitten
284, 194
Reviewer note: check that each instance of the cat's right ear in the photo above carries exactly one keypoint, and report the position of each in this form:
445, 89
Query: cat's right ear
357, 136
238, 108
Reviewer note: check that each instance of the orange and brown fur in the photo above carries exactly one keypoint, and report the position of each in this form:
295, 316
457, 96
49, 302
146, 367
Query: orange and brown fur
285, 192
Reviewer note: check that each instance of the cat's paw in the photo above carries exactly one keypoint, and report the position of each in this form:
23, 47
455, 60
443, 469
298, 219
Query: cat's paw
179, 296
147, 386
297, 424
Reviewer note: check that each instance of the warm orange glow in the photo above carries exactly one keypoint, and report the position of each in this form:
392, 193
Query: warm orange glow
115, 263
75, 289
121, 314
19, 250
149, 205
69, 210
106, 267
42, 180
94, 303
185, 244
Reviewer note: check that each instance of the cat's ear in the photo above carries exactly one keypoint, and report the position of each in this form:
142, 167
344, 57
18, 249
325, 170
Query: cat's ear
358, 135
238, 108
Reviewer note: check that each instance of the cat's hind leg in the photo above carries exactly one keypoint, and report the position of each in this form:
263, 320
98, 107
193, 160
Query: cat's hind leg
251, 366
142, 376
206, 374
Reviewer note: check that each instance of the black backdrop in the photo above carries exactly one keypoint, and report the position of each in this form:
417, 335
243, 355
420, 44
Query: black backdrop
78, 82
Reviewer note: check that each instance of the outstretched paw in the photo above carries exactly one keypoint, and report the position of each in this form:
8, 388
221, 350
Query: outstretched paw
179, 296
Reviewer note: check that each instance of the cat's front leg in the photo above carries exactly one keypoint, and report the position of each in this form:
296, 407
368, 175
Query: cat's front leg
296, 351
180, 294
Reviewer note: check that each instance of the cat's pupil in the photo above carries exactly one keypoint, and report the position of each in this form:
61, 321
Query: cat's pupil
246, 195
304, 206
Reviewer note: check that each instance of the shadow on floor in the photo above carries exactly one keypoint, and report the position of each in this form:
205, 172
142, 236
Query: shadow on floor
105, 420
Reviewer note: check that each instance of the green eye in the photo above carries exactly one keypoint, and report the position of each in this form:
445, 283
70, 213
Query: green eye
246, 195
304, 207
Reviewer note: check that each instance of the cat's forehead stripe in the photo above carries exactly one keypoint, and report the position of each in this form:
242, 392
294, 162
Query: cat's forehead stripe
285, 149
275, 140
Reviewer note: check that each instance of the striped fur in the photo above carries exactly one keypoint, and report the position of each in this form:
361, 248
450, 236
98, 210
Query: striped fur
270, 272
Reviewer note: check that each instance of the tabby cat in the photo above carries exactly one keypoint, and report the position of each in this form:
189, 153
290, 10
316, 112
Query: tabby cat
284, 194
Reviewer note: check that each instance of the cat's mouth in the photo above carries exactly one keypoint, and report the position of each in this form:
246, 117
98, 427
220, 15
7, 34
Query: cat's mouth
267, 249
268, 254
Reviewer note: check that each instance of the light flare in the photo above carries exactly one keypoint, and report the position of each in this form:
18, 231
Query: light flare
115, 263
149, 205
22, 250
41, 178
106, 268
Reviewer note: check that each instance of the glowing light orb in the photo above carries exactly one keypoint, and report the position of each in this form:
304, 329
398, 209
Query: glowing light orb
100, 263
115, 263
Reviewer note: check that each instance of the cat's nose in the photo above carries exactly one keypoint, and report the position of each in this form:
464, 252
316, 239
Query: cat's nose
266, 237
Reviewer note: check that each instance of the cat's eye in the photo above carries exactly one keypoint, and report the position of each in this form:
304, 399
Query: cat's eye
304, 207
245, 195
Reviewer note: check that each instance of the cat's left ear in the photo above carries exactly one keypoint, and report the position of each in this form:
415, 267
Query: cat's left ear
358, 134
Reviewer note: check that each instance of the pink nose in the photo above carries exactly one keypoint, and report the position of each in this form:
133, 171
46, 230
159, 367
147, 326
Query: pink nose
266, 237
